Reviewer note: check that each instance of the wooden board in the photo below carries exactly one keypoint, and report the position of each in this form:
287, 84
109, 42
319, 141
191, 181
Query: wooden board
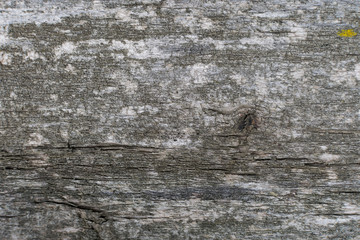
179, 119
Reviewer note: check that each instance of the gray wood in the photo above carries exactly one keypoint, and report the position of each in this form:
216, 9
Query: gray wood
179, 119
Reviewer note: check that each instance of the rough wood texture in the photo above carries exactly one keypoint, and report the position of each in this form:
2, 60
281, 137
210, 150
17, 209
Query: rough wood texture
179, 119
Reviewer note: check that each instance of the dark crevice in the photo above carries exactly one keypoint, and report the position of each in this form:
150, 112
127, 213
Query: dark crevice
102, 147
247, 122
103, 214
17, 168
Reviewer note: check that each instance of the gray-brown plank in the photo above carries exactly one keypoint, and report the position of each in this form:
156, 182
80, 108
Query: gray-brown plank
179, 119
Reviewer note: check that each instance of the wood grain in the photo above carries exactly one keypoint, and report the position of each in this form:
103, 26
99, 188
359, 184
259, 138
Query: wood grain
179, 120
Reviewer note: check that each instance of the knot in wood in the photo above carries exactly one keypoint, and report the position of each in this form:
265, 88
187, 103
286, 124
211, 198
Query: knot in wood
248, 121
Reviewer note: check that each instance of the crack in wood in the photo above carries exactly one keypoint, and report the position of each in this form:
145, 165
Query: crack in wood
103, 214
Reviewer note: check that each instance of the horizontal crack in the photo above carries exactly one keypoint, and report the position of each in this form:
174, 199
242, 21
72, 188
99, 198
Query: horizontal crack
103, 214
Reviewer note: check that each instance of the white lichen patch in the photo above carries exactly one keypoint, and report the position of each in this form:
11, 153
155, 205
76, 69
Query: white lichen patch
351, 208
42, 14
130, 85
124, 15
36, 139
65, 48
111, 138
239, 79
297, 33
32, 55
278, 105
70, 69
4, 39
178, 142
267, 42
199, 72
147, 109
238, 180
117, 56
344, 77
296, 134
5, 58
67, 110
232, 179
108, 90
187, 21
298, 73
324, 148
94, 42
142, 49
64, 133
29, 183
327, 157
196, 107
272, 15
13, 95
261, 83
54, 97
332, 175
128, 111
206, 23
209, 121
325, 221
357, 71
97, 5
80, 110
68, 230
149, 12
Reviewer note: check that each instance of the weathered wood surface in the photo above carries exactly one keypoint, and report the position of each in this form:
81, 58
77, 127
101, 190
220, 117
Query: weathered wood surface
179, 120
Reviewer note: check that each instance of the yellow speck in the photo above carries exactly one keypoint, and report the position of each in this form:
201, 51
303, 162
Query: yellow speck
347, 33
273, 194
